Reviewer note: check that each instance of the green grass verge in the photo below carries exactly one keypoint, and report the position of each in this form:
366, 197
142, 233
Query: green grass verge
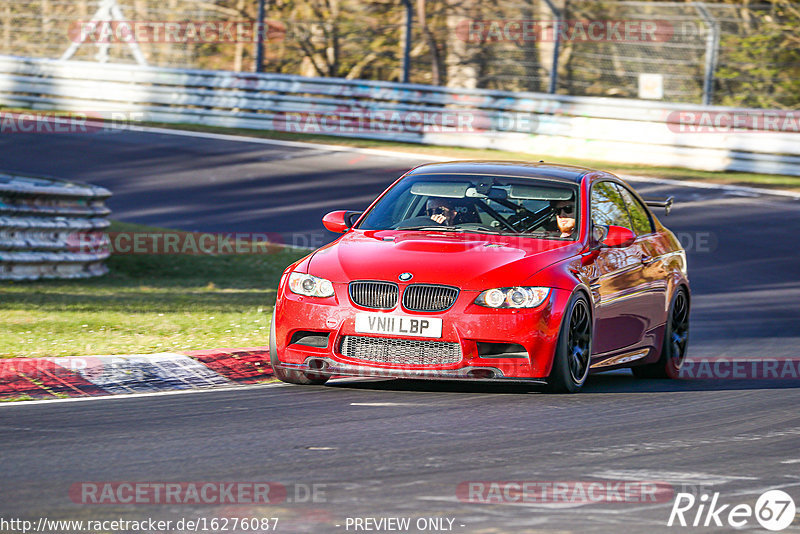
774, 181
146, 304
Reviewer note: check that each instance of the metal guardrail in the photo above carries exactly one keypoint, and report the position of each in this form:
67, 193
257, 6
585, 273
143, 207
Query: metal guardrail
606, 129
51, 228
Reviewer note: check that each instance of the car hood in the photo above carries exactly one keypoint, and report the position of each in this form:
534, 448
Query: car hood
468, 261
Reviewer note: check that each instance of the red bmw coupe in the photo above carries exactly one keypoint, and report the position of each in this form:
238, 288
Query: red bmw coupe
484, 270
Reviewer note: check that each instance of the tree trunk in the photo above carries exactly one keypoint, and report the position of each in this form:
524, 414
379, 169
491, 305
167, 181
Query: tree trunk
332, 50
531, 64
547, 46
436, 75
7, 22
238, 57
462, 55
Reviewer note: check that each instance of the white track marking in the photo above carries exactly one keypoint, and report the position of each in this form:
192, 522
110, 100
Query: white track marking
431, 157
760, 490
705, 185
278, 142
36, 402
652, 447
387, 404
233, 386
555, 507
673, 477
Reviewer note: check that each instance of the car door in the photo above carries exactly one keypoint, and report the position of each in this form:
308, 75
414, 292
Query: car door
653, 283
621, 314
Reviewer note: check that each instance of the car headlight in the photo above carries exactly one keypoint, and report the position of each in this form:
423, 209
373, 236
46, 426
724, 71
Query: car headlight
513, 297
310, 286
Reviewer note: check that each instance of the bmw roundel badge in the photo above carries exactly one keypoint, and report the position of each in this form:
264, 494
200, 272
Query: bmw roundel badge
405, 277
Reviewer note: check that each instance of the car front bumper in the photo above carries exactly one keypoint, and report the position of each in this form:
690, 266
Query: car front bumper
472, 327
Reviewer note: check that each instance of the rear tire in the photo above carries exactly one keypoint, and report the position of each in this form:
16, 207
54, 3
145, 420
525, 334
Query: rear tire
289, 375
676, 341
573, 349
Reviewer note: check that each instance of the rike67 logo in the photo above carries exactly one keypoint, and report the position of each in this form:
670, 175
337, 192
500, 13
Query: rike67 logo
774, 510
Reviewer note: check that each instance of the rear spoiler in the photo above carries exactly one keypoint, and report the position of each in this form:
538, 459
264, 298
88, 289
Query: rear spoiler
666, 204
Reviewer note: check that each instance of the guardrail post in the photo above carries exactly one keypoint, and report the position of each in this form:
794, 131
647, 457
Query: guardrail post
407, 44
262, 34
556, 45
712, 52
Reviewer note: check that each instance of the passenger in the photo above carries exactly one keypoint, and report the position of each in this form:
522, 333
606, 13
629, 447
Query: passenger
564, 211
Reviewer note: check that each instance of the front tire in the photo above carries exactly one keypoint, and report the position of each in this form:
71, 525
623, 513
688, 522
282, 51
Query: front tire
289, 376
573, 350
676, 341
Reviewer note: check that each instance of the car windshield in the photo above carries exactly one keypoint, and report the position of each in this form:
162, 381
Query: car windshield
477, 204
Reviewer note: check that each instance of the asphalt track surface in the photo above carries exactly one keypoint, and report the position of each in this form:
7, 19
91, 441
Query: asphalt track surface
389, 448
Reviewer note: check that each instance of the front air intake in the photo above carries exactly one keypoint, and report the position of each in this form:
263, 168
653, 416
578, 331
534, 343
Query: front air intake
376, 295
429, 298
401, 351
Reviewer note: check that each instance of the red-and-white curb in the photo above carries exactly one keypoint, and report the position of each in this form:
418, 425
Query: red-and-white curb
88, 376
93, 376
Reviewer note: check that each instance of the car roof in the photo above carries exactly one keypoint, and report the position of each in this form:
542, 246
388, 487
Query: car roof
521, 169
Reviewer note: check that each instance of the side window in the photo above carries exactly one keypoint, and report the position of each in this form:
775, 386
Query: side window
608, 208
639, 215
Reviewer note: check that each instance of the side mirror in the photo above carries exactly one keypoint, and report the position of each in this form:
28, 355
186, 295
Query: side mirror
340, 221
618, 237
334, 221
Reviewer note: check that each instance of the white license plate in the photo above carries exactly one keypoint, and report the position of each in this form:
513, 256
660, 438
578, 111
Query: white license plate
398, 325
